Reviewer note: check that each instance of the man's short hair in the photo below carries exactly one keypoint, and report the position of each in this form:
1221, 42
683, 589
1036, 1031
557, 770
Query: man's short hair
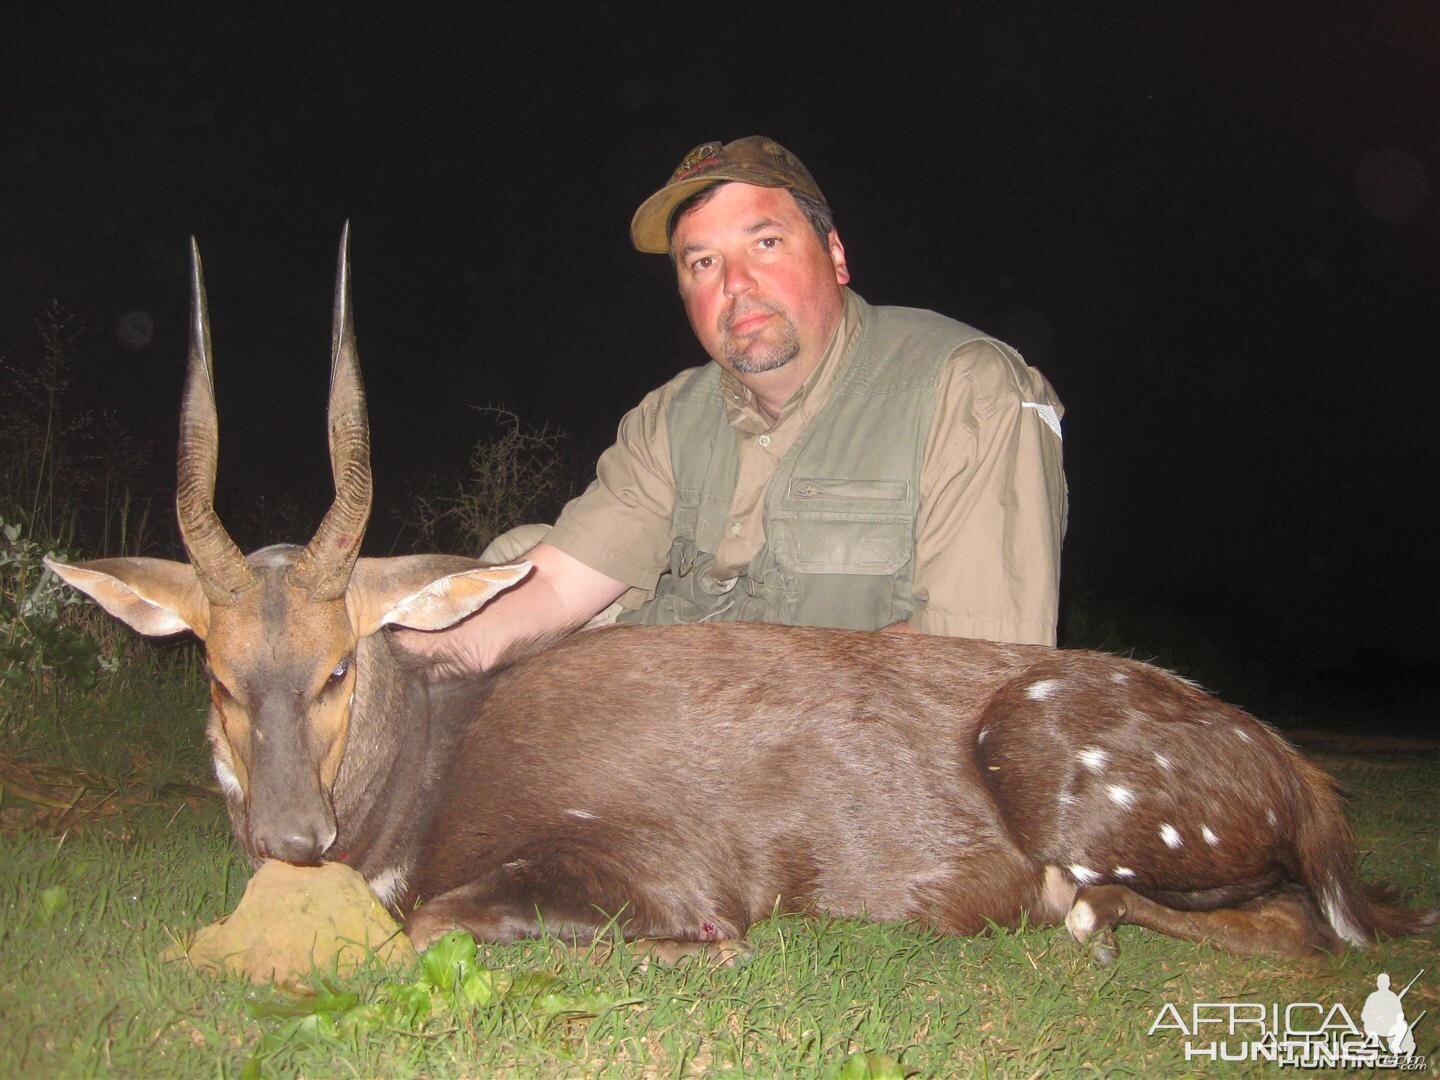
816, 212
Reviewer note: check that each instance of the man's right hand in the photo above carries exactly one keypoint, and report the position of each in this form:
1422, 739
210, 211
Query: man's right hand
561, 594
451, 653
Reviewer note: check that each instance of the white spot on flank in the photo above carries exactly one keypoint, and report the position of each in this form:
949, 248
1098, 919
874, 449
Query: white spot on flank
1093, 758
1209, 835
1080, 920
1171, 836
1118, 676
1163, 761
1042, 690
1242, 734
983, 732
389, 884
226, 778
583, 815
1123, 872
1338, 916
1270, 816
1120, 796
1065, 799
1083, 874
515, 864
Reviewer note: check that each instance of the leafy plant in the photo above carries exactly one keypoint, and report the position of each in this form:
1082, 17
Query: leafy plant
450, 983
53, 901
39, 639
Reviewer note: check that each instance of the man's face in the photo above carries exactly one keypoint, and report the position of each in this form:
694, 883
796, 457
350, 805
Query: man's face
760, 288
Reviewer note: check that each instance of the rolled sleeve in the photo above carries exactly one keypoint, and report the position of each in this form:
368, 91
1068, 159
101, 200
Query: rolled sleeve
993, 503
620, 524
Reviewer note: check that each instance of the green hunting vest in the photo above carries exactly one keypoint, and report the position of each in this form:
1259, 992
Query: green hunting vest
840, 510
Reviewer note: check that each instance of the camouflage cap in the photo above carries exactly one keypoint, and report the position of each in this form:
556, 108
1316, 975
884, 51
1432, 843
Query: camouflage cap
751, 160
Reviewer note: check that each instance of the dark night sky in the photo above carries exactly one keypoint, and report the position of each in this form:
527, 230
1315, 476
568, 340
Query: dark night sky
1213, 226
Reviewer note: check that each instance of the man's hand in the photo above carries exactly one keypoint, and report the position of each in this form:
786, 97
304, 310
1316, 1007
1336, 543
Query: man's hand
561, 594
451, 653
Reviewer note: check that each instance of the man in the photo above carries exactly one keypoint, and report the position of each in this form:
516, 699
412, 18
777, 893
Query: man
837, 464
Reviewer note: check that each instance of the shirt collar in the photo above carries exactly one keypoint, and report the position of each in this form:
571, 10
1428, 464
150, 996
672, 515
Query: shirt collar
745, 416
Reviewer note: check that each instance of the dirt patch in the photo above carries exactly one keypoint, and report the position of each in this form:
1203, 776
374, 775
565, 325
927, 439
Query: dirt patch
293, 919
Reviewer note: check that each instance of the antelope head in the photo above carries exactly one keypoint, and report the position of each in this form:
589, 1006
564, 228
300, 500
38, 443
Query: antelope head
283, 627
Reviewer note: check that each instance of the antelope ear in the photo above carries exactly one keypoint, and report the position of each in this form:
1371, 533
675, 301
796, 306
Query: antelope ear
424, 592
157, 597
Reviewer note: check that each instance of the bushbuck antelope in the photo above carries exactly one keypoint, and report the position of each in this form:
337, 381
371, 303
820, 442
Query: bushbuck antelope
687, 781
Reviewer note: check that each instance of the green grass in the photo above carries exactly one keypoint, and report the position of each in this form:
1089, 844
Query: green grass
88, 904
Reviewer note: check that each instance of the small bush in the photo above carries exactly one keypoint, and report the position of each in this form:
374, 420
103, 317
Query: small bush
515, 476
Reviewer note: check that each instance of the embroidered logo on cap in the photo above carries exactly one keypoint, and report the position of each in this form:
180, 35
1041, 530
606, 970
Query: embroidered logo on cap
698, 160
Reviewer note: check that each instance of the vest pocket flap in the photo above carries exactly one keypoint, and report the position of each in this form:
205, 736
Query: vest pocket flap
842, 547
814, 489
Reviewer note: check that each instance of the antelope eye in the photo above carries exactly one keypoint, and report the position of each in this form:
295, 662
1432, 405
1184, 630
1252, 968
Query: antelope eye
215, 681
340, 670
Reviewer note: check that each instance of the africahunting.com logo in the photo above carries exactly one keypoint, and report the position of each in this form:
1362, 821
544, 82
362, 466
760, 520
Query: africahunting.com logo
1302, 1034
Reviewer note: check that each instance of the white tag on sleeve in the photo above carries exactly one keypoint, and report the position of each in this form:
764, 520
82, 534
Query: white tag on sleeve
1046, 413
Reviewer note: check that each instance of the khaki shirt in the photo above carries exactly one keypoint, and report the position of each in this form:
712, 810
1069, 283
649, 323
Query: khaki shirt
992, 492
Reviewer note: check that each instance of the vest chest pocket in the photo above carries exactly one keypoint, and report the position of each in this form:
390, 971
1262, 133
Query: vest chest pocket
812, 493
830, 526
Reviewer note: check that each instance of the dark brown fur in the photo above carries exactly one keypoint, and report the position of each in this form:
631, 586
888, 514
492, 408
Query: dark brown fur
690, 780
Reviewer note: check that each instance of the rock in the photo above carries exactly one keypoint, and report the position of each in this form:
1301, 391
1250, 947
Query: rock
293, 918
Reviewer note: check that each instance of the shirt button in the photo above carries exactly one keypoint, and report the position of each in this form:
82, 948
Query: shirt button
763, 440
735, 529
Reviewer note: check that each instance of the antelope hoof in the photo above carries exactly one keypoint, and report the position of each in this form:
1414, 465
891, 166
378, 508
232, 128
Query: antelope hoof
1103, 949
1086, 928
1092, 919
425, 932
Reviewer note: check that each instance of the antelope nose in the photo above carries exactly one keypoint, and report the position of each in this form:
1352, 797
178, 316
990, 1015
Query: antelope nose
301, 846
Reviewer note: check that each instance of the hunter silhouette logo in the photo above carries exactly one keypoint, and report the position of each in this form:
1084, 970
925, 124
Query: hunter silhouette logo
1307, 1034
1384, 1016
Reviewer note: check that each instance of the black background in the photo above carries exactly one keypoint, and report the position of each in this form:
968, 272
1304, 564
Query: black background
1213, 226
